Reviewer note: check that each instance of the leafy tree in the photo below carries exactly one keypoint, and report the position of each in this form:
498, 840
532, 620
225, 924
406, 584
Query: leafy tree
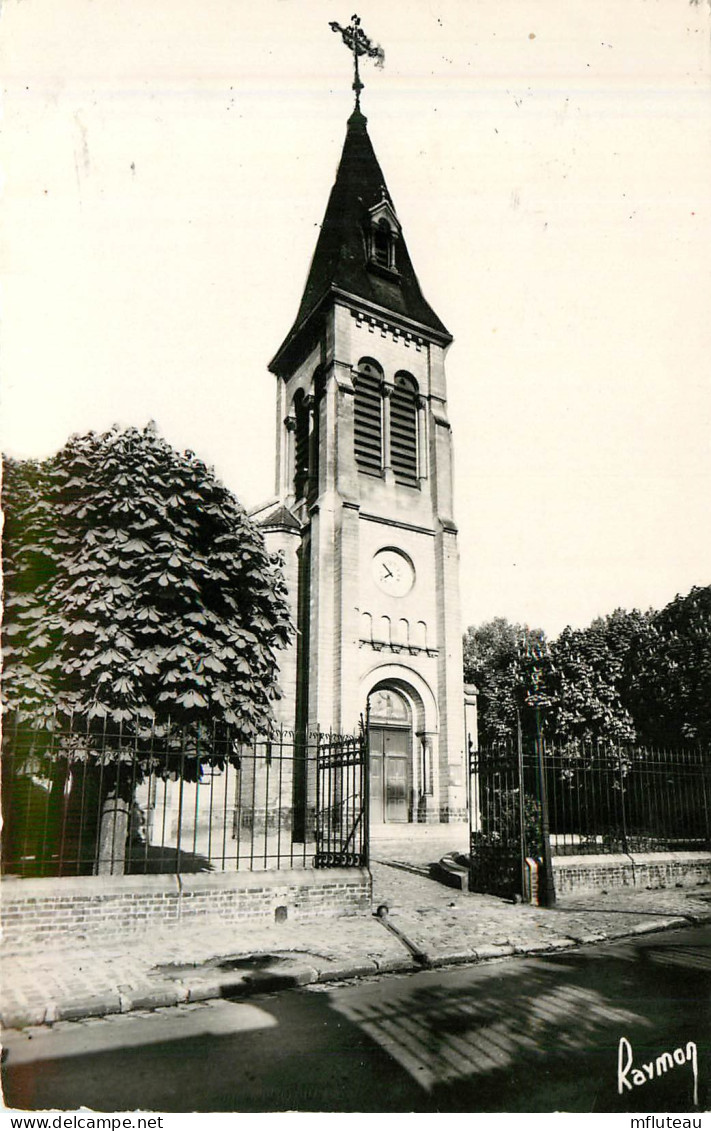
628, 676
670, 694
584, 675
138, 595
503, 661
28, 568
634, 676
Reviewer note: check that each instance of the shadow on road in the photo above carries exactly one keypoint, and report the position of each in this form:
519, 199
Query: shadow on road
543, 1034
532, 1035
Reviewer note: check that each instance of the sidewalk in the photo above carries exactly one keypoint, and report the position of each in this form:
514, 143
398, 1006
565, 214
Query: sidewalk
426, 924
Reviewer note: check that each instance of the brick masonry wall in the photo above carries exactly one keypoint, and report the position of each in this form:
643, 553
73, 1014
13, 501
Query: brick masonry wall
575, 875
54, 910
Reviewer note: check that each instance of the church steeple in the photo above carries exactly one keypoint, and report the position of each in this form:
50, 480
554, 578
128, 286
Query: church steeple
361, 251
363, 514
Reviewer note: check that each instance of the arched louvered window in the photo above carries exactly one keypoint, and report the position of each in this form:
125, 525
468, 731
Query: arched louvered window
403, 429
301, 444
368, 428
319, 387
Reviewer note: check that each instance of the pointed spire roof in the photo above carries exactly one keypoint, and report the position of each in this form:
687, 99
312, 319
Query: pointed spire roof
340, 261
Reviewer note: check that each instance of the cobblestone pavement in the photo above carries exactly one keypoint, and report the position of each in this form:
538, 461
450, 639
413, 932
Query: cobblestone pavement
165, 967
425, 923
448, 925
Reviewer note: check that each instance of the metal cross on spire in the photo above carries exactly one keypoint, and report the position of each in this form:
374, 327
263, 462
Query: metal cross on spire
357, 41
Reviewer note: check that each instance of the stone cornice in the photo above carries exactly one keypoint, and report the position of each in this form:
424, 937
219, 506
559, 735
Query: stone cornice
397, 523
390, 319
369, 313
397, 649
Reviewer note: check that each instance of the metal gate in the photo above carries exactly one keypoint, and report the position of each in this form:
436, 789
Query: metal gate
532, 799
342, 801
505, 819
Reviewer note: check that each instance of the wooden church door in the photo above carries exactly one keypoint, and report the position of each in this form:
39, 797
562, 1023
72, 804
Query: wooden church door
390, 739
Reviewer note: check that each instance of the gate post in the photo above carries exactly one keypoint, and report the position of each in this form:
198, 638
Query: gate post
471, 735
364, 751
623, 807
548, 880
521, 804
473, 765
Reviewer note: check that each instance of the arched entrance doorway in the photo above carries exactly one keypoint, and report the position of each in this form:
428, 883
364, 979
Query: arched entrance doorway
390, 771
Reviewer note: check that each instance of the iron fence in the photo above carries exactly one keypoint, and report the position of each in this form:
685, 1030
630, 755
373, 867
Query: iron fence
627, 799
582, 798
82, 799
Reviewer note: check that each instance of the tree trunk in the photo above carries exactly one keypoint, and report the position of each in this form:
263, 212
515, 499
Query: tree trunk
113, 830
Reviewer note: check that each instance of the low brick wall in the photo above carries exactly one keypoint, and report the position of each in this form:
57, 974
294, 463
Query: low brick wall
59, 910
575, 875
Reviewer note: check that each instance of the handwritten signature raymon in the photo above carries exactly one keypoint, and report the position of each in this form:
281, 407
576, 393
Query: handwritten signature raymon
631, 1075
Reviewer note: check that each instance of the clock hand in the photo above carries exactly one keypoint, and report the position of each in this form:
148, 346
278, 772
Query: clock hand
389, 572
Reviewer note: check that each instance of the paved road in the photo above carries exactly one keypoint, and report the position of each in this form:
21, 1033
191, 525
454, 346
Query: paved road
535, 1034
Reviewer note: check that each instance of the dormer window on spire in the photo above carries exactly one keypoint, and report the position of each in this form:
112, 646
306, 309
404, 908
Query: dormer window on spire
382, 235
383, 245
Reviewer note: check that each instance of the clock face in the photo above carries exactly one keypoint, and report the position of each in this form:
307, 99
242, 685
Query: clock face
393, 572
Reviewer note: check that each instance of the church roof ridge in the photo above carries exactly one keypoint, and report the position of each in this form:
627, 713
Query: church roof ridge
278, 516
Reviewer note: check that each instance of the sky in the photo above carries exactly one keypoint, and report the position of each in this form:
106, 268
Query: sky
165, 169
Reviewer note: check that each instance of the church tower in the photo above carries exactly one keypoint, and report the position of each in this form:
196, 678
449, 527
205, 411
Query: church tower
363, 514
